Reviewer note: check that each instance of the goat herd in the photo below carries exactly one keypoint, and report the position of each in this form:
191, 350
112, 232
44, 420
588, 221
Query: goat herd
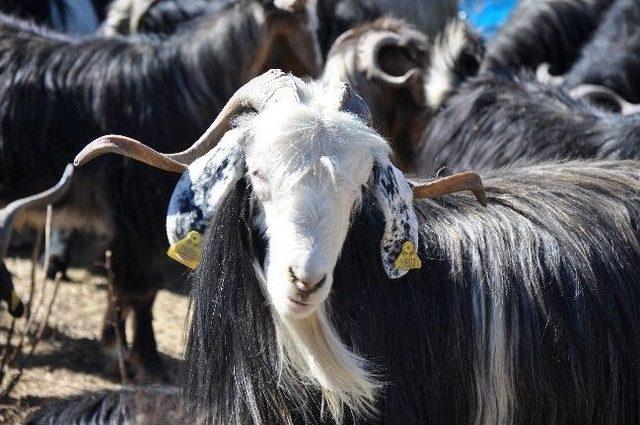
328, 286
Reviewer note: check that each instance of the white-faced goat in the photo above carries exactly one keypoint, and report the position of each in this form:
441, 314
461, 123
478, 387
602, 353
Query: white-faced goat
59, 92
326, 293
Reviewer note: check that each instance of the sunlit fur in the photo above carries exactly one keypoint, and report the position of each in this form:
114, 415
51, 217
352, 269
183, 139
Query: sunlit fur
612, 57
544, 31
524, 312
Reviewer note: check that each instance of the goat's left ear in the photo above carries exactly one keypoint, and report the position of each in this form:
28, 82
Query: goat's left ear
399, 243
204, 186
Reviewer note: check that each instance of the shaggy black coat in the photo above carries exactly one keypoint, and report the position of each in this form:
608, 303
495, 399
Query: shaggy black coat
524, 312
495, 120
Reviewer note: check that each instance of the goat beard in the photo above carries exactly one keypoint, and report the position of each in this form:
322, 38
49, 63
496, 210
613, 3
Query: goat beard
311, 353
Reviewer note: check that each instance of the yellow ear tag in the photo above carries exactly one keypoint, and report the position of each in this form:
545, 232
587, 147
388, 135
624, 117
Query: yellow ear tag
188, 250
408, 258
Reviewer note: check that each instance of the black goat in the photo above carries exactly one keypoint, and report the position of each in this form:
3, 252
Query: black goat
524, 312
544, 31
495, 120
612, 58
58, 93
388, 63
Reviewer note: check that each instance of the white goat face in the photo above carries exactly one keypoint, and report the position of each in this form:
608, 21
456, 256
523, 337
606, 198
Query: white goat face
307, 179
307, 161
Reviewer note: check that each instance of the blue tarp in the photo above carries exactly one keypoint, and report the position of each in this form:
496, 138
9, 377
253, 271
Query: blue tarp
486, 15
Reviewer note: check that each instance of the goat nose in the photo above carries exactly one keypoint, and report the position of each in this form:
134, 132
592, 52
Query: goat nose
307, 281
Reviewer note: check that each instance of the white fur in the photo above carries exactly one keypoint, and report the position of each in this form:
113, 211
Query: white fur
307, 164
440, 77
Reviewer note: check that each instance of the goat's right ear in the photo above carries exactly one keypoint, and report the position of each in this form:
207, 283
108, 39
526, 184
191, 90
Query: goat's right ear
204, 186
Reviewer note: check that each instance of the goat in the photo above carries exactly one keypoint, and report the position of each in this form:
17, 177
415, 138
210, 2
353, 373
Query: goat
386, 63
548, 32
326, 293
495, 120
60, 92
612, 58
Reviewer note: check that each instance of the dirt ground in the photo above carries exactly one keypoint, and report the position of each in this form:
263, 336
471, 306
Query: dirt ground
68, 360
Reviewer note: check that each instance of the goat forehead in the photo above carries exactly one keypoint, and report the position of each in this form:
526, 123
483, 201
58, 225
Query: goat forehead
302, 138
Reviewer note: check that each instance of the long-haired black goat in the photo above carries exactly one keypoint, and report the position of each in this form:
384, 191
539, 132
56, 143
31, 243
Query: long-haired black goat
495, 120
612, 58
326, 293
544, 31
59, 92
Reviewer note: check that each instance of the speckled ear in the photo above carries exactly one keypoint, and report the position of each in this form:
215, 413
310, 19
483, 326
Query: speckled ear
400, 240
204, 186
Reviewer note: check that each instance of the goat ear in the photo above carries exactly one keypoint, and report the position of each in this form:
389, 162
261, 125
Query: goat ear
400, 240
204, 186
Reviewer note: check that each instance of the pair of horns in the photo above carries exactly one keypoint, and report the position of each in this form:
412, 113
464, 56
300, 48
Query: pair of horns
272, 86
11, 211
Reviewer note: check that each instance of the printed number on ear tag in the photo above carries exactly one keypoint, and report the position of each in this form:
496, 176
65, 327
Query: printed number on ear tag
188, 250
408, 258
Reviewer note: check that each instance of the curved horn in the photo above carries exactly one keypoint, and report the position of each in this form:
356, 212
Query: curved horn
455, 183
272, 86
544, 76
130, 148
50, 196
368, 51
591, 90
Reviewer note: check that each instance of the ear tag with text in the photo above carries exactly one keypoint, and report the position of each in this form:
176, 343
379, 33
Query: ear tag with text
408, 258
188, 250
